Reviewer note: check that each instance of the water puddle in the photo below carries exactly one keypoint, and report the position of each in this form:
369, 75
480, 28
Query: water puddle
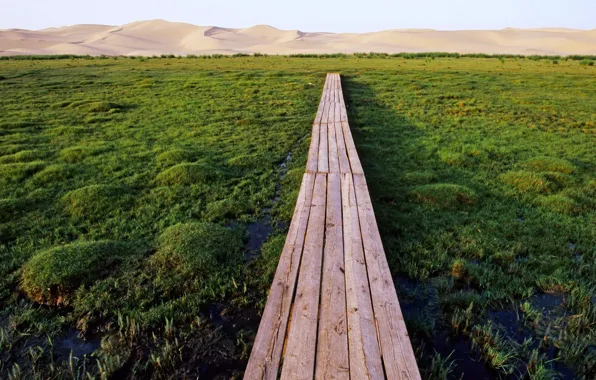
260, 230
71, 341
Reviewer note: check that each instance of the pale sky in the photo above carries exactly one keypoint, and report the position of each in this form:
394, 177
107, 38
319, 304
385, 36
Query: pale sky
307, 15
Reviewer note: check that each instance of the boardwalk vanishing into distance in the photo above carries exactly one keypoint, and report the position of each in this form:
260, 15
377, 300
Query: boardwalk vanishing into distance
332, 311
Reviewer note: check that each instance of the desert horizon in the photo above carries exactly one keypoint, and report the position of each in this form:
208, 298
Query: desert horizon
156, 37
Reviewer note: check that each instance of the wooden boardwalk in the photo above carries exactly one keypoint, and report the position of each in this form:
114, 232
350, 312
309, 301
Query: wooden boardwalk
332, 311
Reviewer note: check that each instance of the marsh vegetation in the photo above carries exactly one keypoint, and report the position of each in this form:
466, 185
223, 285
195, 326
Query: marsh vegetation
128, 188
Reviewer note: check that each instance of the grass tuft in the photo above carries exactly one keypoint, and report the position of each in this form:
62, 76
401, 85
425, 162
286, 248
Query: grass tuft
188, 174
549, 164
96, 201
198, 248
50, 276
527, 182
444, 195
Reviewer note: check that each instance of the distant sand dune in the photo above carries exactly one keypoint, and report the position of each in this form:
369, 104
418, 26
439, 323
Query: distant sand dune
157, 37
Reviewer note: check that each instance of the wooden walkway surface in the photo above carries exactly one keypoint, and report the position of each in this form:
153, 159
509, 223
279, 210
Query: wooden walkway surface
332, 311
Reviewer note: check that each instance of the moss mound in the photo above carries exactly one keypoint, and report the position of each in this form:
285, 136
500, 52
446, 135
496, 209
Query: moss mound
560, 203
451, 158
174, 156
55, 173
419, 178
549, 164
11, 173
50, 276
96, 201
79, 153
22, 156
11, 208
198, 248
187, 174
93, 106
527, 182
444, 195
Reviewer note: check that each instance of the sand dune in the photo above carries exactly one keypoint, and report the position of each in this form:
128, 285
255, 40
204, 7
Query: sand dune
162, 37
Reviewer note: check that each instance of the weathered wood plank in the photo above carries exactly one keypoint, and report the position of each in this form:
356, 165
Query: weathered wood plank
351, 148
344, 161
333, 153
323, 165
396, 349
365, 357
313, 151
332, 346
299, 359
268, 346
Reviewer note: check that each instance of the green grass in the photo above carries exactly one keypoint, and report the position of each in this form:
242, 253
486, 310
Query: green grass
481, 172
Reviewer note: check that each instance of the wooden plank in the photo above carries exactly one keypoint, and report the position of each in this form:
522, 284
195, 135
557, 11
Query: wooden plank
333, 154
299, 359
268, 346
337, 112
344, 162
365, 357
396, 349
323, 165
351, 148
313, 151
332, 347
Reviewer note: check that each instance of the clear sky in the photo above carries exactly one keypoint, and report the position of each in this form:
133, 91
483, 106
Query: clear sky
307, 15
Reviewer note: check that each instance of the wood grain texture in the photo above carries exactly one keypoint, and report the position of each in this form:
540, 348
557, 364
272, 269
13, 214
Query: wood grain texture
365, 357
269, 342
332, 347
299, 358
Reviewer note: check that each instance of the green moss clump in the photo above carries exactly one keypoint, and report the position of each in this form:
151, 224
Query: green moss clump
79, 153
55, 173
51, 275
451, 158
419, 178
527, 182
200, 249
12, 173
11, 208
10, 149
187, 174
549, 164
22, 156
174, 156
444, 195
96, 201
561, 204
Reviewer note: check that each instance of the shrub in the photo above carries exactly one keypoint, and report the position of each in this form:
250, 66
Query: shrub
187, 174
198, 248
549, 164
444, 195
50, 276
526, 182
95, 201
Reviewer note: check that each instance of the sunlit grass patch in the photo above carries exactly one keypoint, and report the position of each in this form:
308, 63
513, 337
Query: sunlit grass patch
50, 276
527, 182
96, 201
197, 248
188, 174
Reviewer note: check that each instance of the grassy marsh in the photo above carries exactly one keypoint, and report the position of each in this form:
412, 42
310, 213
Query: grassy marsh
481, 172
